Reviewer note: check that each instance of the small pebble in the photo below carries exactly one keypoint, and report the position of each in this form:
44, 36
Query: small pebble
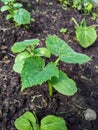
90, 114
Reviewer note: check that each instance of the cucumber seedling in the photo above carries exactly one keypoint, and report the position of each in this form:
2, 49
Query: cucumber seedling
29, 121
86, 36
16, 12
34, 71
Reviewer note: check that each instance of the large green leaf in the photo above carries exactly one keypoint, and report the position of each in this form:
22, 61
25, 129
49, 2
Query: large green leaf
75, 58
19, 61
26, 122
60, 48
51, 122
57, 46
22, 16
64, 84
21, 46
86, 36
32, 66
42, 52
34, 74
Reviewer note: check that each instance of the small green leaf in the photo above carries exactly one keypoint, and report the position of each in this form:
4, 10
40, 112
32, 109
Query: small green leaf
21, 46
22, 16
34, 74
9, 16
42, 52
29, 116
5, 8
23, 124
32, 119
63, 30
17, 5
64, 84
51, 122
86, 36
26, 122
19, 61
83, 23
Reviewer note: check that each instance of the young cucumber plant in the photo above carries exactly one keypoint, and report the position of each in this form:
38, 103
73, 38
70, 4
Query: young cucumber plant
28, 121
86, 36
33, 70
19, 15
83, 5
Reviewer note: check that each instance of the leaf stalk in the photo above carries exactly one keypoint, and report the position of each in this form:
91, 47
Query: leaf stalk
57, 60
50, 89
76, 23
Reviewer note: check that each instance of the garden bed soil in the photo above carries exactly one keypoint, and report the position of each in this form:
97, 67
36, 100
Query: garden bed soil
49, 19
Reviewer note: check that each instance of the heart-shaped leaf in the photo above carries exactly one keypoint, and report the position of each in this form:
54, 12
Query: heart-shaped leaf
21, 16
86, 36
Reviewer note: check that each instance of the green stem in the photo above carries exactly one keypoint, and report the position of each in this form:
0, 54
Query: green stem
73, 19
30, 50
57, 60
50, 89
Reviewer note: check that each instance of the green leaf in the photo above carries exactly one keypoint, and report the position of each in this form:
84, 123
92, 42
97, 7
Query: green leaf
33, 72
32, 119
21, 46
5, 8
64, 84
32, 66
83, 23
57, 46
17, 5
23, 124
42, 52
75, 58
26, 122
29, 116
51, 122
7, 1
86, 36
22, 16
9, 16
19, 61
60, 48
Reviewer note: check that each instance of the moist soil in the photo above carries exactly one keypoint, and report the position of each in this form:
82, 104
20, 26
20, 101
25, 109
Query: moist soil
49, 19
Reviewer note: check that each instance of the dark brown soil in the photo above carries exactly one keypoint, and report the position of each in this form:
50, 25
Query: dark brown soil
49, 19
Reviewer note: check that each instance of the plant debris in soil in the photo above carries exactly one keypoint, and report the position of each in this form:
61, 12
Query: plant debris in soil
49, 19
